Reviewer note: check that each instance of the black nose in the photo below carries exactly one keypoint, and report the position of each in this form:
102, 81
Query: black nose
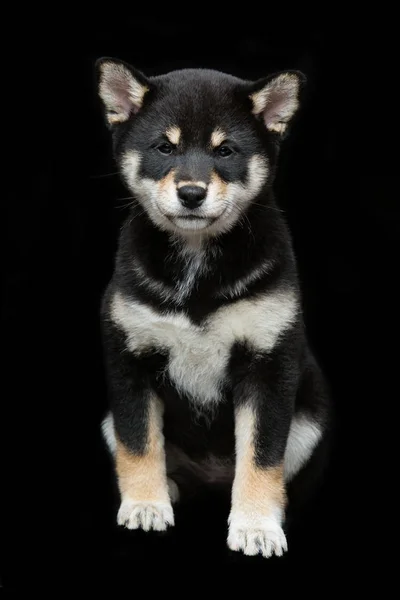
191, 196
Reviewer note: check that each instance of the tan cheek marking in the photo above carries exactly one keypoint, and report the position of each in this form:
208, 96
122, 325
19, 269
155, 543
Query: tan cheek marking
167, 181
217, 137
221, 186
143, 478
174, 135
255, 489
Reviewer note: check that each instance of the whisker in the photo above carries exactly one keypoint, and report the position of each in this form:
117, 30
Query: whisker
123, 206
128, 204
135, 216
126, 198
268, 207
104, 175
242, 218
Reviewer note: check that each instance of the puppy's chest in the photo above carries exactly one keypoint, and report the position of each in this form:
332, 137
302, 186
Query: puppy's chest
198, 355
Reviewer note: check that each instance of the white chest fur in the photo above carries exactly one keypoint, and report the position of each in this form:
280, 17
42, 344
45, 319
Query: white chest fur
198, 355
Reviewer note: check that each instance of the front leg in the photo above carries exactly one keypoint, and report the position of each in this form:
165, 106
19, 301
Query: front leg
142, 478
139, 442
263, 397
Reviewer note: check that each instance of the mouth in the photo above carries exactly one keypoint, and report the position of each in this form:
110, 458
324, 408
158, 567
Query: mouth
191, 222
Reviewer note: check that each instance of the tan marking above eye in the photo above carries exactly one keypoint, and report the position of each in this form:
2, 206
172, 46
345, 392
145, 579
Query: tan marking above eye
217, 137
173, 134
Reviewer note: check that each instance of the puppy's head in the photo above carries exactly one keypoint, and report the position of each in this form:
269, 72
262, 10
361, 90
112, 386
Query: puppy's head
196, 147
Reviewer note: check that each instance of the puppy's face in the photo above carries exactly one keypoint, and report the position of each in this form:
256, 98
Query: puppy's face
196, 147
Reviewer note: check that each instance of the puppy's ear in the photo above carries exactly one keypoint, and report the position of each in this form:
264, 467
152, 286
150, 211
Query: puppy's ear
276, 99
121, 88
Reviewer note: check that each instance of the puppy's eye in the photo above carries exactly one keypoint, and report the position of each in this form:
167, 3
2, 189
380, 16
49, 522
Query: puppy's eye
224, 151
165, 148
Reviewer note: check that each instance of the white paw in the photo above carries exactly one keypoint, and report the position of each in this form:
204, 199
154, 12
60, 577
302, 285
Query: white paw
173, 491
145, 515
256, 536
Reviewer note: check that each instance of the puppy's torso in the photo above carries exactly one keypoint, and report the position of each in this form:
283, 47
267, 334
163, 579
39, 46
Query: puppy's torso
198, 354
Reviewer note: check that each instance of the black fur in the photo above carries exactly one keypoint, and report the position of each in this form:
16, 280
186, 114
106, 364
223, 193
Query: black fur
197, 101
280, 383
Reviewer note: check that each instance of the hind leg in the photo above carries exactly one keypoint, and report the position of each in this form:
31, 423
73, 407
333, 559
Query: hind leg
304, 436
308, 446
173, 490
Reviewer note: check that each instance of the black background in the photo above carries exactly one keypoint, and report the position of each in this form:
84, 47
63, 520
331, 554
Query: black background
338, 185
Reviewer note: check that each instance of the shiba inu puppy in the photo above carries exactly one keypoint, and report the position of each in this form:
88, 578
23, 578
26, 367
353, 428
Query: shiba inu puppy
209, 370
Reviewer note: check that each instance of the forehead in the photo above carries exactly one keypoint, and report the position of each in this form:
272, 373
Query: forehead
197, 103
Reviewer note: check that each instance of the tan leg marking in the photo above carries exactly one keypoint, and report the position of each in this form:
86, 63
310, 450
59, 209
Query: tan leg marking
258, 496
142, 479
